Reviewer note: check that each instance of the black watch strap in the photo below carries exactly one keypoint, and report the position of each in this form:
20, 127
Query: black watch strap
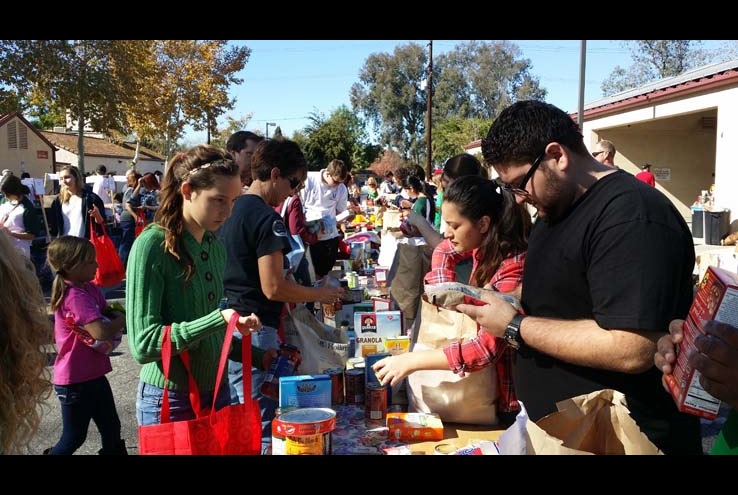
512, 332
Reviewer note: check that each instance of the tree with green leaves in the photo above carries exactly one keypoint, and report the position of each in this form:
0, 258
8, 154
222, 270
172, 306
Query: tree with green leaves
475, 80
479, 79
390, 97
451, 134
232, 125
340, 136
654, 60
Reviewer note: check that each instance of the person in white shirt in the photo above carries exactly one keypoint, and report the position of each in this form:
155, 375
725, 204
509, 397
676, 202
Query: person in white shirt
104, 186
73, 210
18, 215
324, 198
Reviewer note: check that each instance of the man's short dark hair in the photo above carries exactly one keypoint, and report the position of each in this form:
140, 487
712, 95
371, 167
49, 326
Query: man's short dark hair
102, 169
521, 132
238, 139
279, 152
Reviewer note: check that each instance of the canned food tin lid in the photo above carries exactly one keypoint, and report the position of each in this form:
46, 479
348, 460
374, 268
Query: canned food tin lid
355, 360
306, 421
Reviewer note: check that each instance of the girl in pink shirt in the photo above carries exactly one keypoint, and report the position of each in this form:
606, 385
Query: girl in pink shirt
85, 330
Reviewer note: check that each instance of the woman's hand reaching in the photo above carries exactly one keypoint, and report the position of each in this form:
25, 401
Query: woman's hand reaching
245, 324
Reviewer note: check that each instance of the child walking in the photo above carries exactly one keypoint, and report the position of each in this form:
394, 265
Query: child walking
86, 330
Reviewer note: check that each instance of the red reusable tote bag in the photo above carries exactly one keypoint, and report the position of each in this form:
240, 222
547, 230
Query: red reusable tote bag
140, 222
110, 269
232, 430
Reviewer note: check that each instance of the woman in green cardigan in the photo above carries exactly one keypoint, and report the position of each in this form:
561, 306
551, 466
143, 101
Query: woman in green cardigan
175, 277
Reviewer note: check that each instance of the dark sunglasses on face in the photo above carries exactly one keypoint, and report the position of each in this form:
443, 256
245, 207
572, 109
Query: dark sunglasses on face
294, 182
596, 153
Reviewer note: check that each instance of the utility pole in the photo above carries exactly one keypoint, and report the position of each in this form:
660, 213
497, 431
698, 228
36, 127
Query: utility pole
582, 71
429, 120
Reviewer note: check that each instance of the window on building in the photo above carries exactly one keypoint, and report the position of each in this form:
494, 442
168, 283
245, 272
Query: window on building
23, 137
12, 135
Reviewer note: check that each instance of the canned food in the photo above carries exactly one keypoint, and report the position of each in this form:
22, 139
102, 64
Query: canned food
376, 403
306, 431
353, 280
354, 362
354, 386
337, 393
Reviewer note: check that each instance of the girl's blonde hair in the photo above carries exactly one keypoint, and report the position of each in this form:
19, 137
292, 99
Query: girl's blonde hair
65, 193
199, 167
63, 255
24, 329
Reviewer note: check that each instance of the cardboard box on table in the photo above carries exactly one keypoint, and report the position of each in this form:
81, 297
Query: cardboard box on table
716, 299
373, 328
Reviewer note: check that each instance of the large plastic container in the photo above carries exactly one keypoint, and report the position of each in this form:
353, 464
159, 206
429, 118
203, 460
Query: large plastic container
698, 222
717, 226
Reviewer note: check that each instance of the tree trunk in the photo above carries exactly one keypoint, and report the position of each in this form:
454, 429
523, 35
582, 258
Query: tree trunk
81, 146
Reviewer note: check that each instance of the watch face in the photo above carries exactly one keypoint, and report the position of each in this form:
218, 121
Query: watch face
511, 337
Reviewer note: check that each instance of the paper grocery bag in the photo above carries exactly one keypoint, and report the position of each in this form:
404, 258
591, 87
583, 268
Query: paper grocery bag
470, 399
594, 423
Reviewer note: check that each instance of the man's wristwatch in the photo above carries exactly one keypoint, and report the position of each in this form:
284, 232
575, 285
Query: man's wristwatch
512, 332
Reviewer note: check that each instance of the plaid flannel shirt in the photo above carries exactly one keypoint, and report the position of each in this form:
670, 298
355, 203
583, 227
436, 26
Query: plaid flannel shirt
485, 349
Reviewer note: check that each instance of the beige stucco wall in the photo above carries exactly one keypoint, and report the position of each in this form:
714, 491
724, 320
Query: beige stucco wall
672, 134
25, 160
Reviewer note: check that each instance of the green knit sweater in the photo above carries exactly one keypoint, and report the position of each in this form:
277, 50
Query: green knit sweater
157, 295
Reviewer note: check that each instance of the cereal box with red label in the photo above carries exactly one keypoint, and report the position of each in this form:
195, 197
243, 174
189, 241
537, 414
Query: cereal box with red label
373, 328
716, 299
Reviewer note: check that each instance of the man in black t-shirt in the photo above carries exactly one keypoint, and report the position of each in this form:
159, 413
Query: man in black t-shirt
609, 265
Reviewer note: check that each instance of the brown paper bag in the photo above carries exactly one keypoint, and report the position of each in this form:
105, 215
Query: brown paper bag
470, 399
595, 423
410, 265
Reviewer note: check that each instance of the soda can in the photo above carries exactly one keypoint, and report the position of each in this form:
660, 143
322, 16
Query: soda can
354, 386
337, 393
375, 411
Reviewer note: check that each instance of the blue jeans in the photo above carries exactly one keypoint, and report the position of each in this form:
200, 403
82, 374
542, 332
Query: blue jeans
266, 338
80, 403
149, 399
127, 236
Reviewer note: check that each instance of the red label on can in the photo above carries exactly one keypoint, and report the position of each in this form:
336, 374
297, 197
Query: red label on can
355, 386
376, 403
337, 393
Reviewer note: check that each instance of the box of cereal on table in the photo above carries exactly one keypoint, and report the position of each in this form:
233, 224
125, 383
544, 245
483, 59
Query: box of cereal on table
716, 299
373, 328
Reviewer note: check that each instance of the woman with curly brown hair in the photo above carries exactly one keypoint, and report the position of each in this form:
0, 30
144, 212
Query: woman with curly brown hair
24, 330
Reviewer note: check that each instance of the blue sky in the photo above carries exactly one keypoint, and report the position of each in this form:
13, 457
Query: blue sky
286, 80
